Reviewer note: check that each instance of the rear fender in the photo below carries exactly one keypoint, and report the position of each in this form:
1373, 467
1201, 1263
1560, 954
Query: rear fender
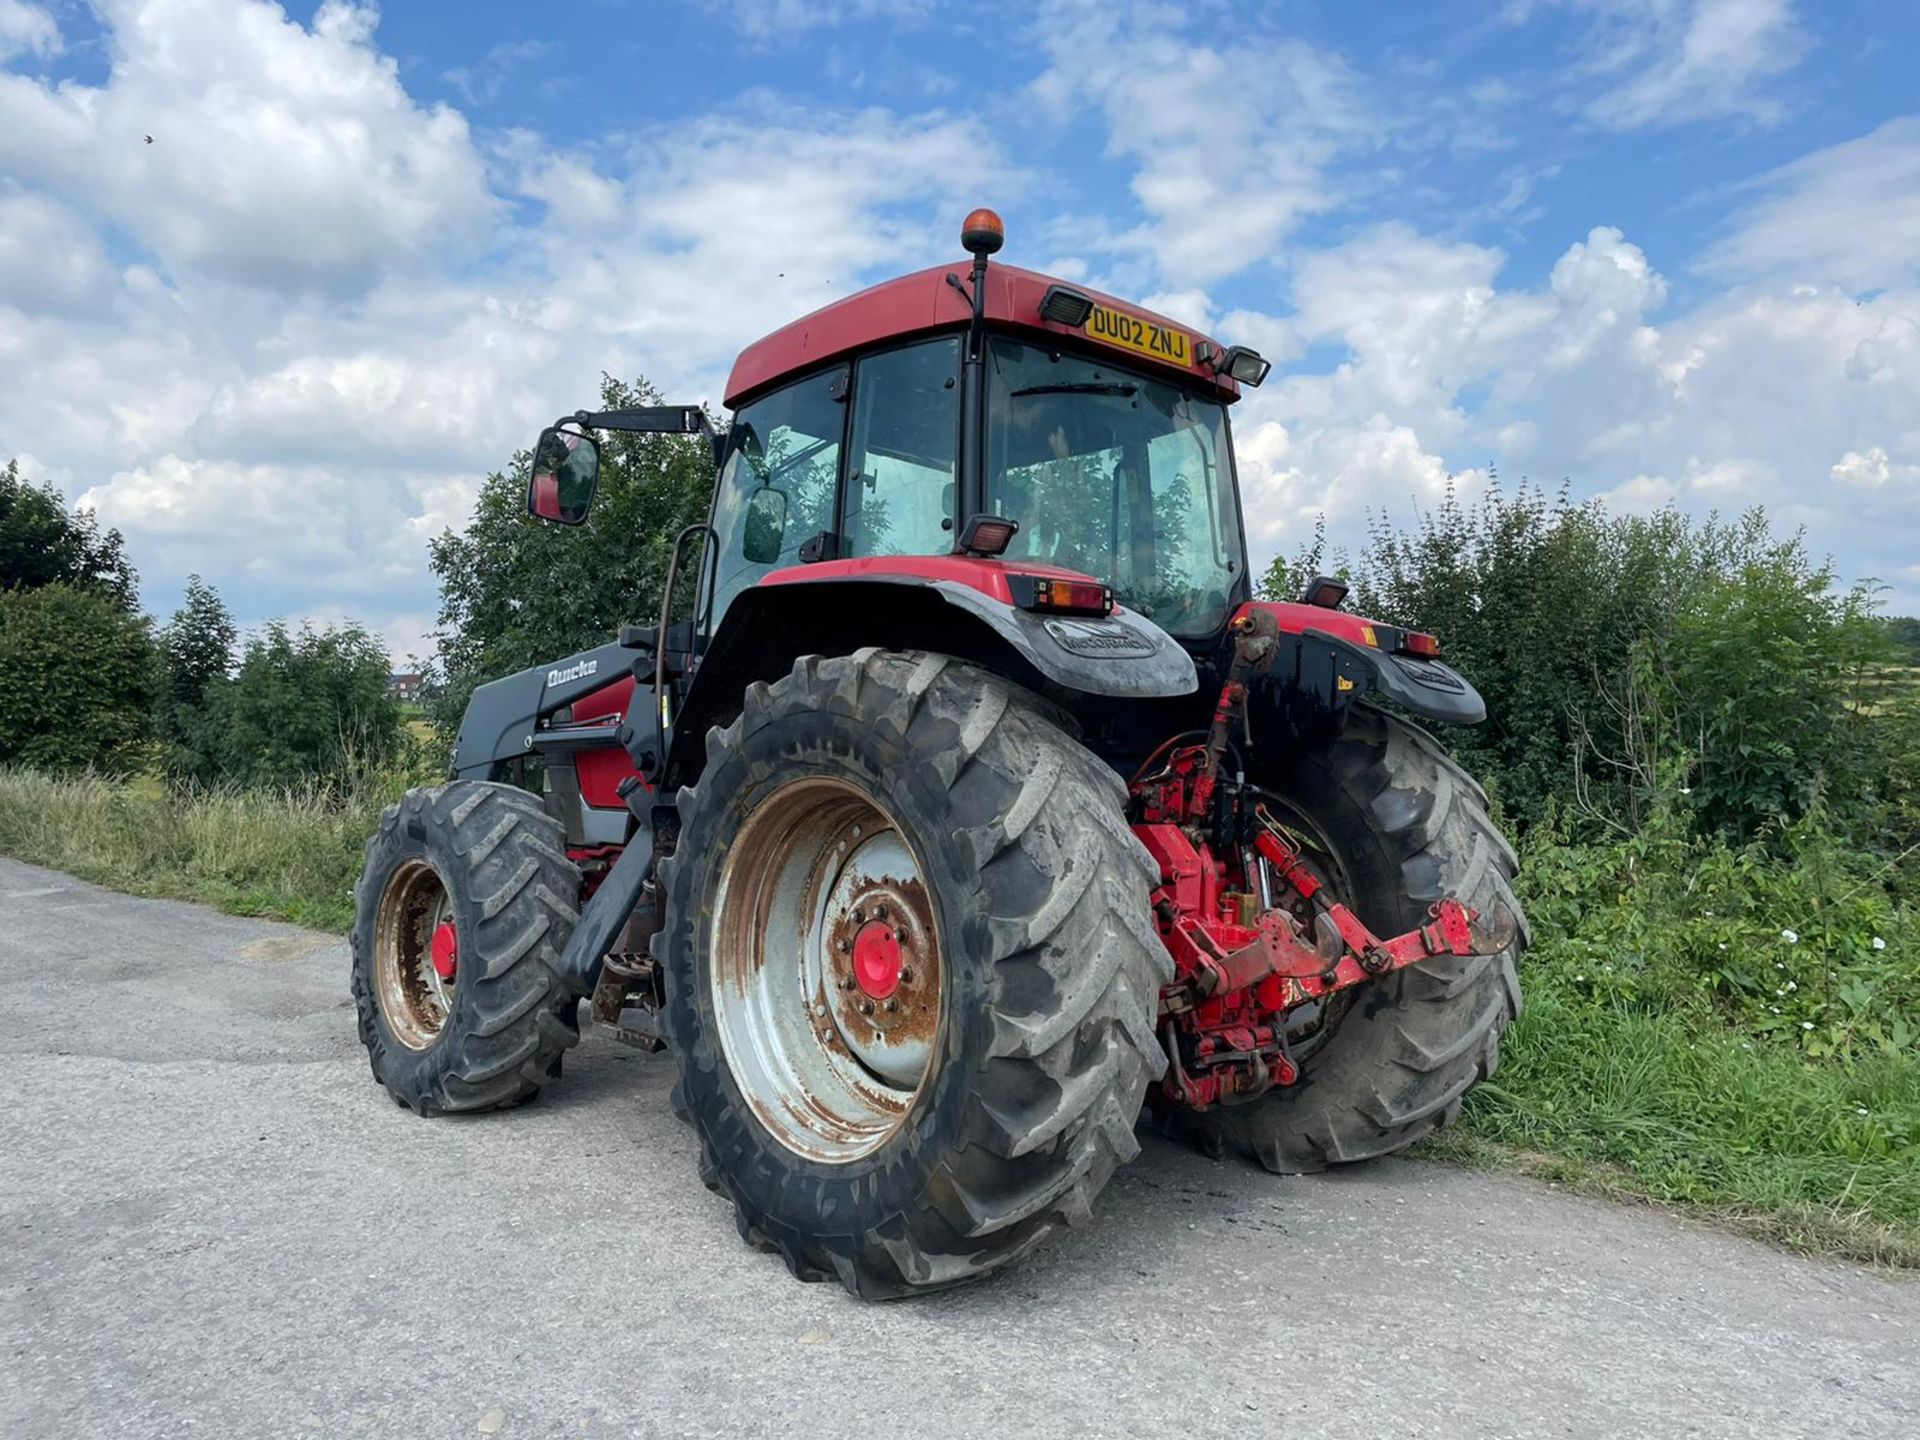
955, 605
1328, 658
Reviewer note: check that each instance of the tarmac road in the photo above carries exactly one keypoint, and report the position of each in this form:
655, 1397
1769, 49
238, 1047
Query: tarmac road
213, 1223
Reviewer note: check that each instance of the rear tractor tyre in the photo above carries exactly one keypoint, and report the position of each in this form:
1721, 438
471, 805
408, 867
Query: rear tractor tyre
463, 910
911, 972
1402, 825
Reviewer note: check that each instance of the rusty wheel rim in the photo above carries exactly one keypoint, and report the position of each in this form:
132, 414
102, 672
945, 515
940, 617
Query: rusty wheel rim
825, 970
412, 995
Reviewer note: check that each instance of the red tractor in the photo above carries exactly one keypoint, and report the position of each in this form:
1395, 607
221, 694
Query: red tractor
978, 805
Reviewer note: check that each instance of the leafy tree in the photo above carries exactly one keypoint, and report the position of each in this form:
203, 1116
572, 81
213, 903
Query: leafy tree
305, 705
42, 543
1904, 632
75, 671
515, 592
196, 656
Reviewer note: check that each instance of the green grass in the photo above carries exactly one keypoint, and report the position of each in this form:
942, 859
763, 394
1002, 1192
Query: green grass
1672, 1106
293, 855
1655, 1060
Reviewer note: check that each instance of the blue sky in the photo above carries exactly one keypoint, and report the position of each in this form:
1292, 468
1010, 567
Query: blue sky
1665, 249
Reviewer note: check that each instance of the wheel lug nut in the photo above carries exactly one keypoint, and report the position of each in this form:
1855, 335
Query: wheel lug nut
866, 1007
880, 912
893, 1005
859, 915
901, 934
843, 946
906, 976
847, 984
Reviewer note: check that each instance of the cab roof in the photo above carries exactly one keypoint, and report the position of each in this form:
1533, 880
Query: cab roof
923, 303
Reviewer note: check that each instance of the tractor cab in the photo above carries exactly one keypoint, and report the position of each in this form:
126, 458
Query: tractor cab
891, 422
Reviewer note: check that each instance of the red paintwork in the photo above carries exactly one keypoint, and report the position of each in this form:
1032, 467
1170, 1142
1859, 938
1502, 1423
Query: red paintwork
1294, 619
924, 301
1224, 1015
601, 770
876, 959
446, 950
989, 577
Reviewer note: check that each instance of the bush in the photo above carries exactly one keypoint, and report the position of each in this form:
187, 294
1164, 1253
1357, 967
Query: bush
306, 707
75, 677
196, 656
1610, 647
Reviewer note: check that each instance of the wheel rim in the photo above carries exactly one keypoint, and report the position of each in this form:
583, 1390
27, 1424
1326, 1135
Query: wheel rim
825, 970
415, 997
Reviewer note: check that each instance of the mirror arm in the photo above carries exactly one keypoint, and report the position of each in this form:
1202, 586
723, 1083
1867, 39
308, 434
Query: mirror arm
648, 419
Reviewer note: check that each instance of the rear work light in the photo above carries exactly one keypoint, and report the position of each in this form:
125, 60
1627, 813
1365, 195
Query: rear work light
1065, 306
987, 536
1062, 597
1418, 642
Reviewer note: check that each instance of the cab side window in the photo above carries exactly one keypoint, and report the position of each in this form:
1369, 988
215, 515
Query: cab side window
776, 491
906, 426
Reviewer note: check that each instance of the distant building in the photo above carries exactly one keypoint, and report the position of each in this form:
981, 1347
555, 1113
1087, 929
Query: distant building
404, 687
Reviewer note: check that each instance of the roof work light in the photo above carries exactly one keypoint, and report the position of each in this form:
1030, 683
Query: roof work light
1065, 306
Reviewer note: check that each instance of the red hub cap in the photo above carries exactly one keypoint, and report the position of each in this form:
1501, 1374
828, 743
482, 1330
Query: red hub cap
446, 950
876, 959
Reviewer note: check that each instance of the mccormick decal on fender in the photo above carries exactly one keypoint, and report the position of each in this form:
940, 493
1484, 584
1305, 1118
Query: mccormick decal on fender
1143, 337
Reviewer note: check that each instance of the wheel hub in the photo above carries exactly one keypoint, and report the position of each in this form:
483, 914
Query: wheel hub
445, 949
876, 959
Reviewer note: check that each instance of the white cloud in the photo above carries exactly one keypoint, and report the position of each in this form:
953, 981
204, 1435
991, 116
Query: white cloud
1669, 62
1747, 399
764, 19
282, 157
50, 259
1846, 215
1872, 470
226, 410
27, 30
1230, 138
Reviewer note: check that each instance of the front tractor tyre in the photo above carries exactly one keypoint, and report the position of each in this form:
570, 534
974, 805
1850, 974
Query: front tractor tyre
911, 972
463, 910
1393, 824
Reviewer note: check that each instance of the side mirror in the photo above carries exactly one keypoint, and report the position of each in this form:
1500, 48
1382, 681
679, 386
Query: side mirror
566, 471
765, 531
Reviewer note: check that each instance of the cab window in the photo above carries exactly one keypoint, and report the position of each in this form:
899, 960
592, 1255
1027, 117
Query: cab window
776, 490
906, 426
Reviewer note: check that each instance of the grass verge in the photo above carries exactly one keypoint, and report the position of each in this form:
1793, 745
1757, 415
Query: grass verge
289, 854
1648, 1094
1670, 1106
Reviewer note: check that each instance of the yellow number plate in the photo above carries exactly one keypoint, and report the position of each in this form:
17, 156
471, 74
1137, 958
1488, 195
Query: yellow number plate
1143, 337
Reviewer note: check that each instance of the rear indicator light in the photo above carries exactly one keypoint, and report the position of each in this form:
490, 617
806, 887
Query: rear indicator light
1415, 642
1065, 597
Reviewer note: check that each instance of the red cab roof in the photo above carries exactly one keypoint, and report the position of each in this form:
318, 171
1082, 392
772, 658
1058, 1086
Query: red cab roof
923, 302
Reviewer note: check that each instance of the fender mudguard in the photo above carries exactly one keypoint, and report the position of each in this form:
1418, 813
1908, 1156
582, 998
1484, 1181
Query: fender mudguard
1329, 658
1428, 688
1123, 654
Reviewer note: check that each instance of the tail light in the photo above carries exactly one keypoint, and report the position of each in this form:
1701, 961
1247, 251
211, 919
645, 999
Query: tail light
1418, 642
1063, 597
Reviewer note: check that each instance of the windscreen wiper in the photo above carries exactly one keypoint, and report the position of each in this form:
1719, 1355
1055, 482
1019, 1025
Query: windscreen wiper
1091, 387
